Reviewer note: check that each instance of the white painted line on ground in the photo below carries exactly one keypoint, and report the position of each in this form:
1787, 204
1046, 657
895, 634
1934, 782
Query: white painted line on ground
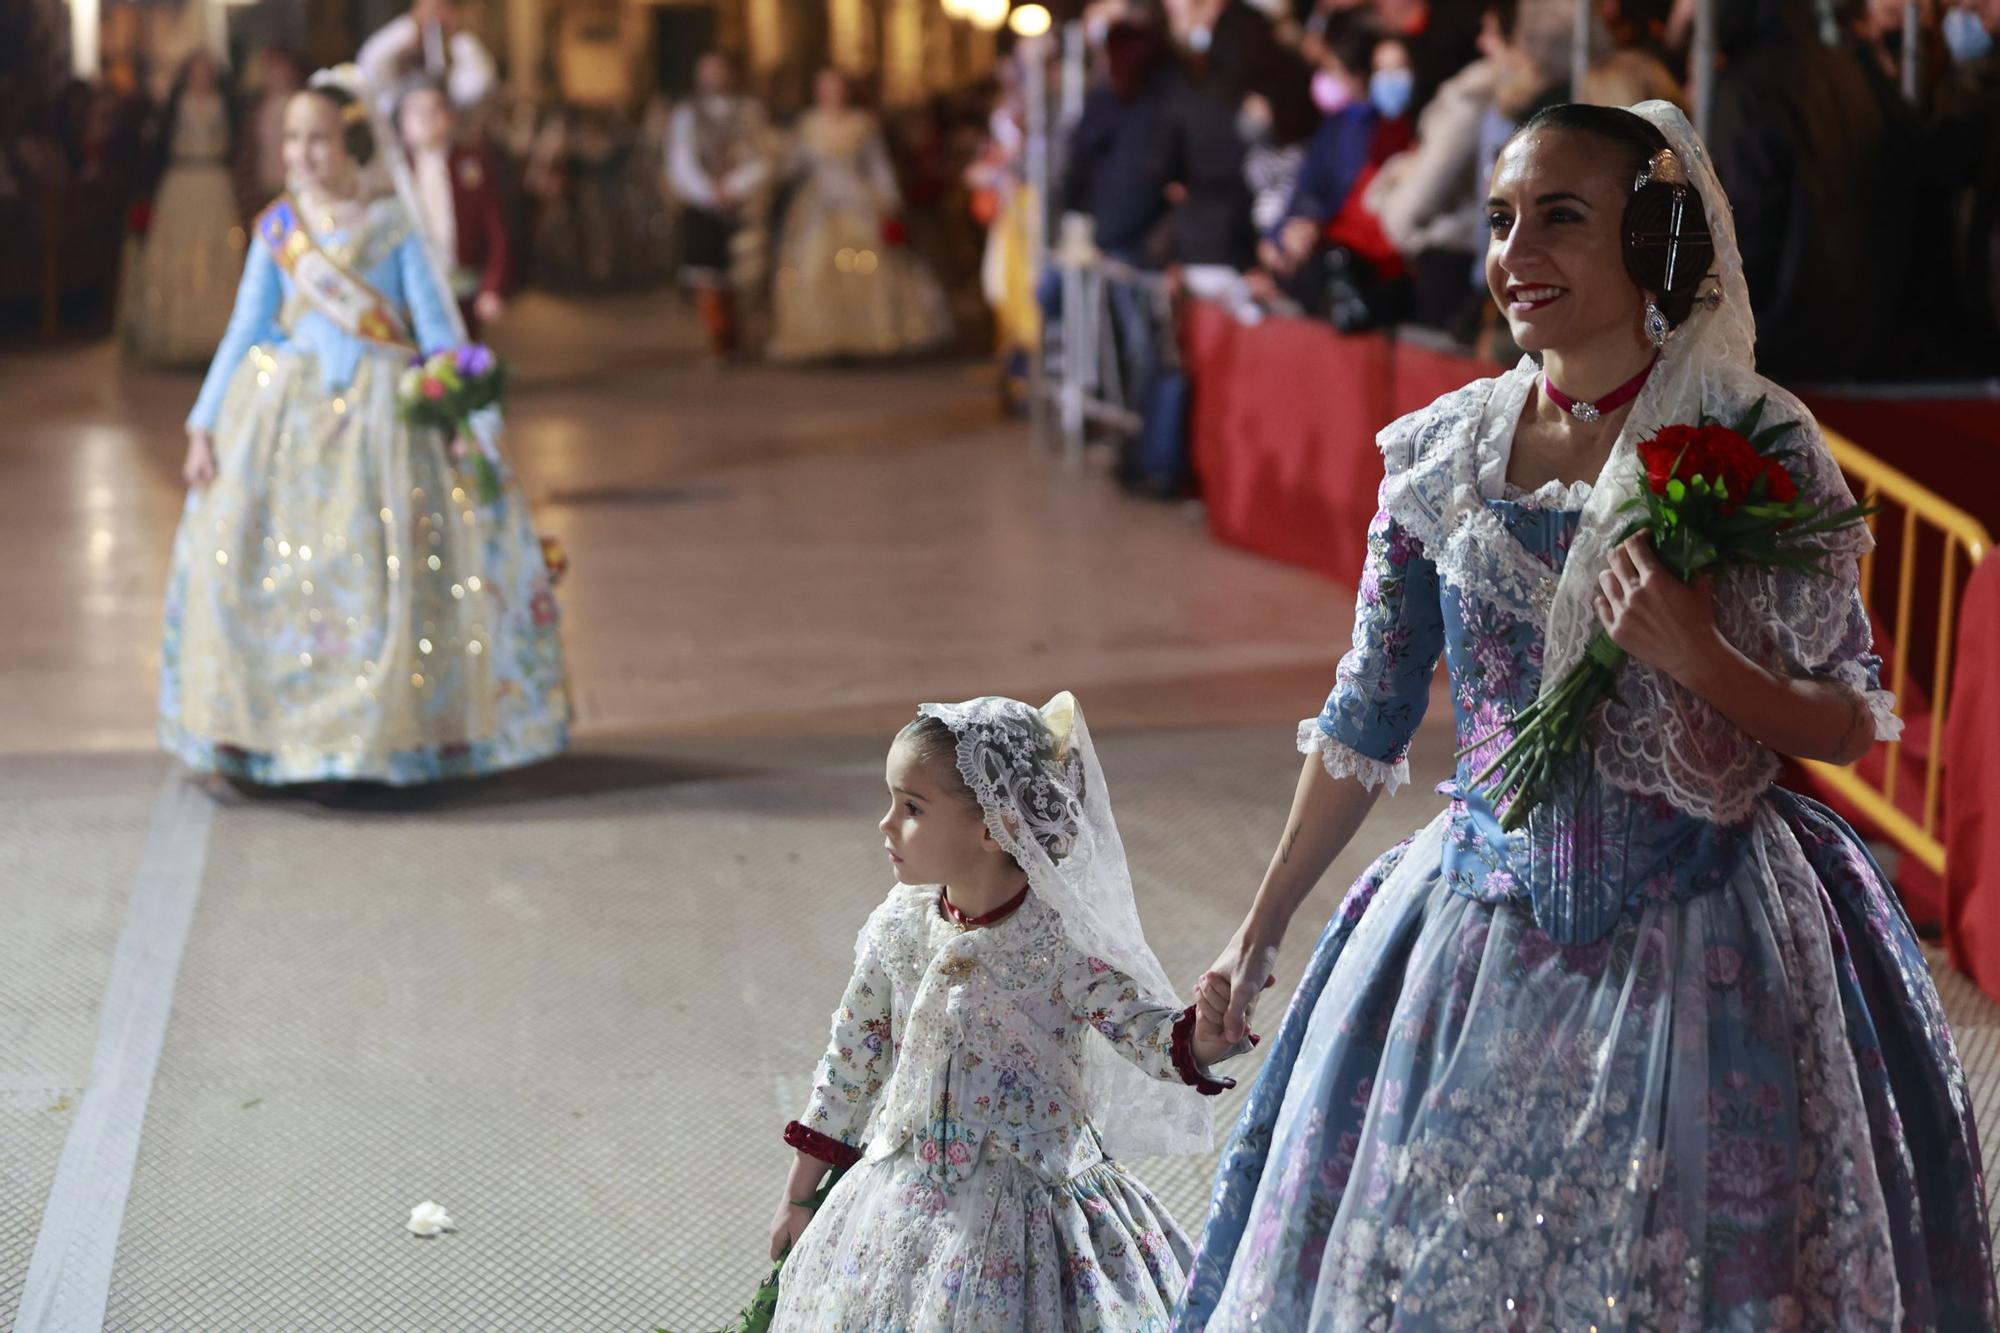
69, 1278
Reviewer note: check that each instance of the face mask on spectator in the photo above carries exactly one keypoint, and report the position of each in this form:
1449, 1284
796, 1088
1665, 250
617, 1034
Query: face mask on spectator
1253, 126
1331, 93
1390, 90
1198, 39
1966, 36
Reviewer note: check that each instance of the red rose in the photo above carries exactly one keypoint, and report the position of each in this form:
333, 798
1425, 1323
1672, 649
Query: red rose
894, 232
140, 220
1675, 452
433, 387
1717, 453
1779, 484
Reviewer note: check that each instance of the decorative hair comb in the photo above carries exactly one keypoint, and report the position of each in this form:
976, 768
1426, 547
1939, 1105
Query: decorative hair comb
1664, 167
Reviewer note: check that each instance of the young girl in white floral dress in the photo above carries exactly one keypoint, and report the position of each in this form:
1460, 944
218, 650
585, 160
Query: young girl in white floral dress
964, 1088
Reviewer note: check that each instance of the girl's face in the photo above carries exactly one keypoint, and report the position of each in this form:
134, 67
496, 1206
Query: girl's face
830, 91
933, 834
315, 152
1554, 264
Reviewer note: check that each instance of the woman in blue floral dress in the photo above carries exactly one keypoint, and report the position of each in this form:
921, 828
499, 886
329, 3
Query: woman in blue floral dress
1668, 1057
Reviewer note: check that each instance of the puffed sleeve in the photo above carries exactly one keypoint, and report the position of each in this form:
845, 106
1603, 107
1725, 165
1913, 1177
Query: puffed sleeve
254, 320
1159, 1038
432, 317
859, 1057
1382, 685
1854, 664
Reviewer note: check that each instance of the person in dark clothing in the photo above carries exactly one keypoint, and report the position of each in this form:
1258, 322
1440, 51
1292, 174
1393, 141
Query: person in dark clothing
1822, 183
1441, 36
1964, 159
1113, 170
1201, 151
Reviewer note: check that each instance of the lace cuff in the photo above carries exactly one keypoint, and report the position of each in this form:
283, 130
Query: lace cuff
815, 1144
1187, 1066
1343, 762
1881, 703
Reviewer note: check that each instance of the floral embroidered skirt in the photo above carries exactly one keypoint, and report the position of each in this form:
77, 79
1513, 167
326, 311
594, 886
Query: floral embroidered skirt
340, 604
1000, 1251
1739, 1111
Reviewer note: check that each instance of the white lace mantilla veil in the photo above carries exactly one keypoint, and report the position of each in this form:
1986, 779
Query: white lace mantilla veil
1658, 738
1053, 815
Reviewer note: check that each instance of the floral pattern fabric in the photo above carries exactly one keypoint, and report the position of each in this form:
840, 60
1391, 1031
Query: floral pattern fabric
994, 1207
1715, 1092
339, 605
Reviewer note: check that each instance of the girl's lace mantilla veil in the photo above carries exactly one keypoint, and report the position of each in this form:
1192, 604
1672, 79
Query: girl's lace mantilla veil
1657, 739
1036, 775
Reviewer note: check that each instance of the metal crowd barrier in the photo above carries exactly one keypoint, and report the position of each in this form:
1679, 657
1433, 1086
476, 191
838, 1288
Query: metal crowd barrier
1093, 373
1963, 538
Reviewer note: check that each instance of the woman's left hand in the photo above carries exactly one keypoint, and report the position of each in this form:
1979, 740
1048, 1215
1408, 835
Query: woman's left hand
1665, 623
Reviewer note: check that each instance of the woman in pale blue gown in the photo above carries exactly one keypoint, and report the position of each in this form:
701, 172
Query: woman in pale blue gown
342, 603
1669, 1057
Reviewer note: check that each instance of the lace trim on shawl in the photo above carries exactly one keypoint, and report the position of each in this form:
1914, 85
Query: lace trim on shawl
1482, 558
1342, 761
1881, 703
1553, 495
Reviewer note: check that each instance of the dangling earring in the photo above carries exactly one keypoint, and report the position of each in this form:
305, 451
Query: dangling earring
1657, 328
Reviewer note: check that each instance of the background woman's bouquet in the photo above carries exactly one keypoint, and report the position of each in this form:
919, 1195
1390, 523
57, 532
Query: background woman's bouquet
1716, 497
445, 389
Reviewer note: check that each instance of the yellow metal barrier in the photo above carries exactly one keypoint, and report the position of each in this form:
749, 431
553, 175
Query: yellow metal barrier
1877, 483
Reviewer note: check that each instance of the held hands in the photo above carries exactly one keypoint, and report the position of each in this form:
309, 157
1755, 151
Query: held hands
1226, 996
489, 307
458, 448
1667, 624
198, 469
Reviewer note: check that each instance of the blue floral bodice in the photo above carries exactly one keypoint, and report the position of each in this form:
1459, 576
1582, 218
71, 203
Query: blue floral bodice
1595, 847
384, 250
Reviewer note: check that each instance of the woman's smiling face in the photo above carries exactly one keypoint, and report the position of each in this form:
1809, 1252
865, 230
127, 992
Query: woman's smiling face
1554, 262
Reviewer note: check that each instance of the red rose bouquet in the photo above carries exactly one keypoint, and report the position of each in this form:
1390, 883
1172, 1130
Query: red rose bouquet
1715, 497
895, 232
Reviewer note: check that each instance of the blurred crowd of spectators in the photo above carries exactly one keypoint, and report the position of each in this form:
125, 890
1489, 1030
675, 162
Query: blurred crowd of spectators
589, 202
1332, 158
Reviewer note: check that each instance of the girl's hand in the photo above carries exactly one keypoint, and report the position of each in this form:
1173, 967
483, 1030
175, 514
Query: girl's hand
1667, 624
198, 469
1226, 996
787, 1226
458, 447
489, 306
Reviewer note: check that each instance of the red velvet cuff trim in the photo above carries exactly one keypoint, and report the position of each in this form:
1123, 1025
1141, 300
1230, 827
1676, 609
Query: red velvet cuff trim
823, 1146
1184, 1061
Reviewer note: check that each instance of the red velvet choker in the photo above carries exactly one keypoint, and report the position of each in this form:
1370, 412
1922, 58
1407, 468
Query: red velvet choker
952, 913
1610, 402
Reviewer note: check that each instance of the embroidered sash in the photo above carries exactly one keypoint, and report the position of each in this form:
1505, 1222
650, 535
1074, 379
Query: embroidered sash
336, 292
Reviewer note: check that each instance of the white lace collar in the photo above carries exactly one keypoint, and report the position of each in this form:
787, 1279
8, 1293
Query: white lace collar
1494, 447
